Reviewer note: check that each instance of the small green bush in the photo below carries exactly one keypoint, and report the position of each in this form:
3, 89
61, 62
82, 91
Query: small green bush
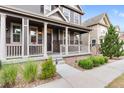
101, 59
106, 59
95, 61
48, 69
8, 75
30, 71
86, 63
122, 54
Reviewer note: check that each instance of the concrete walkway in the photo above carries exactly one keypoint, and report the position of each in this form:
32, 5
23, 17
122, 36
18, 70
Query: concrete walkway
96, 78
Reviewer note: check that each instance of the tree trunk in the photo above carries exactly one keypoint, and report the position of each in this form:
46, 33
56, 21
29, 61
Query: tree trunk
110, 57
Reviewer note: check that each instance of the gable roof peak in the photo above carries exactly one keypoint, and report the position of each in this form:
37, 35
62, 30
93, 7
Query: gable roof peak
55, 11
95, 20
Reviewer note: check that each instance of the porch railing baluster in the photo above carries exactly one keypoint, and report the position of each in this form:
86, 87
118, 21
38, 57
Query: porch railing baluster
35, 49
13, 50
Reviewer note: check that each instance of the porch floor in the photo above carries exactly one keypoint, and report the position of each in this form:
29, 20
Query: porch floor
39, 58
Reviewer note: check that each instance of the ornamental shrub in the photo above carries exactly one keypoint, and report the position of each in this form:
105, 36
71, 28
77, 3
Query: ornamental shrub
95, 61
48, 69
30, 71
86, 63
8, 75
106, 59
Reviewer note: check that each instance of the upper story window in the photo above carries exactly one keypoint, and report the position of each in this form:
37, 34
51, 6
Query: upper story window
103, 32
47, 9
72, 16
76, 18
66, 12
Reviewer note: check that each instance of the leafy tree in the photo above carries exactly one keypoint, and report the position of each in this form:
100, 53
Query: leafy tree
111, 45
118, 47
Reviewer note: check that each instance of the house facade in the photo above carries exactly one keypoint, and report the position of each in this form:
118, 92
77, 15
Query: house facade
41, 31
99, 25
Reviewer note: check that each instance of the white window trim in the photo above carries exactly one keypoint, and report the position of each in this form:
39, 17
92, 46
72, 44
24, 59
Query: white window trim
16, 24
45, 9
68, 11
36, 34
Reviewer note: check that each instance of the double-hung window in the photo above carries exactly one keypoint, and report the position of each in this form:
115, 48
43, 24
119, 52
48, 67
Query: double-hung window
72, 16
16, 33
35, 35
66, 12
93, 42
76, 18
47, 9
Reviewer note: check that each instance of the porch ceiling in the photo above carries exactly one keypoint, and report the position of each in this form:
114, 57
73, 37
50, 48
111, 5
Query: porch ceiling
13, 19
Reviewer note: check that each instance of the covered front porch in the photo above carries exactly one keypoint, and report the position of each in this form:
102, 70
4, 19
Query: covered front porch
22, 37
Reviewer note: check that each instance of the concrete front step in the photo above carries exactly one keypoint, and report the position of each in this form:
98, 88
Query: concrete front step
58, 59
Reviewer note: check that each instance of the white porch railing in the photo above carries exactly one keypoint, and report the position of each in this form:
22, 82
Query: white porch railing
84, 48
62, 49
35, 49
74, 48
13, 50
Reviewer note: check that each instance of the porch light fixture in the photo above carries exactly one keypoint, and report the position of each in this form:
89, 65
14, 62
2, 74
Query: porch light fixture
39, 33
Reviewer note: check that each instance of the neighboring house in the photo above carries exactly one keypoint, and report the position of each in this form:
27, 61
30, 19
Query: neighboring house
41, 31
121, 36
99, 25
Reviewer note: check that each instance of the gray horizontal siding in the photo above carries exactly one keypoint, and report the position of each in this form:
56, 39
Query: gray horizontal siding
31, 8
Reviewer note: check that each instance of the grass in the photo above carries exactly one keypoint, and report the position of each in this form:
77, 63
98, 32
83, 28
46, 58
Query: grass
117, 83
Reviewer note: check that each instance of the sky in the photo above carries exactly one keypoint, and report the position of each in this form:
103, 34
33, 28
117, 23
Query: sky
114, 12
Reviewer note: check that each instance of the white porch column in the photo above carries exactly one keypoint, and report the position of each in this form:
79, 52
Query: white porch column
66, 40
45, 40
2, 36
25, 37
89, 42
28, 37
22, 37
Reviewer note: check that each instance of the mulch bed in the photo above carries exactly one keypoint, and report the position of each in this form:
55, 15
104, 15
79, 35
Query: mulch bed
23, 84
20, 83
74, 62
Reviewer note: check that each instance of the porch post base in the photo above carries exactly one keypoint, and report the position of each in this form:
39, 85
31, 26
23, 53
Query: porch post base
45, 56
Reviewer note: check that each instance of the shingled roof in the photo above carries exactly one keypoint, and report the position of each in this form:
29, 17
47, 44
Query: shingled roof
95, 20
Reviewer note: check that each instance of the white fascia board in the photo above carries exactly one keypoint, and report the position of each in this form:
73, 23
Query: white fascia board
57, 10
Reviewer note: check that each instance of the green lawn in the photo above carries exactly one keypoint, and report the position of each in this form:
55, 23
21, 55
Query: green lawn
117, 83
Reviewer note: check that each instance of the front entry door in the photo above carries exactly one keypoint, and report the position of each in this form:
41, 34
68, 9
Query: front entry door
49, 40
56, 43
